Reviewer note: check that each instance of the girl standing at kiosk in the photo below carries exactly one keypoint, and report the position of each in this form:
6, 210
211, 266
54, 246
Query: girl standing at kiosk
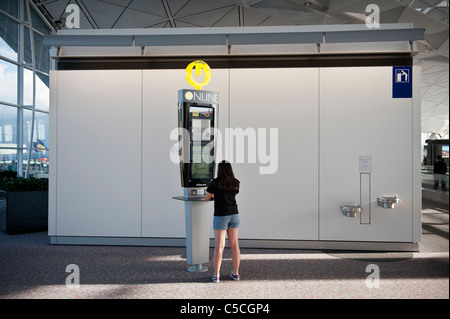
226, 217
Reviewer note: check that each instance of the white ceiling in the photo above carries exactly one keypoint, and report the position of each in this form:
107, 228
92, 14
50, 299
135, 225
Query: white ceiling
433, 15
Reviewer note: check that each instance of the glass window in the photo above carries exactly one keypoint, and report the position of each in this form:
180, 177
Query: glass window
42, 90
9, 31
27, 46
39, 147
38, 23
42, 53
8, 159
10, 131
40, 128
8, 126
10, 6
28, 87
8, 82
41, 131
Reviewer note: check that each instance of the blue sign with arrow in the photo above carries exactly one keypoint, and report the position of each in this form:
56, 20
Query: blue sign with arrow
402, 82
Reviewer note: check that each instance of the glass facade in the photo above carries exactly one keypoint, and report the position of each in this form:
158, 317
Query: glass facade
11, 7
8, 126
17, 132
8, 82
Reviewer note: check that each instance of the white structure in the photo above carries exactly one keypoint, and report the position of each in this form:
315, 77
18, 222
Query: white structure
342, 139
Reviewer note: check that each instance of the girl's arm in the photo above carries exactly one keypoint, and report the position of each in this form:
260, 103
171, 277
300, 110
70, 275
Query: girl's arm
208, 196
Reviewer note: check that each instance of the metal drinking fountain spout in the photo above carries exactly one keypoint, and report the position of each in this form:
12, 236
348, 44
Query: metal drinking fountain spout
351, 210
388, 201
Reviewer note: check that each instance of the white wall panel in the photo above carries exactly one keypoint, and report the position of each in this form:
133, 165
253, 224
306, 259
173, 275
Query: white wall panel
98, 153
283, 205
163, 216
416, 155
359, 117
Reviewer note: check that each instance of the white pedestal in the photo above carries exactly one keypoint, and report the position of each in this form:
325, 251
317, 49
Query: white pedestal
197, 218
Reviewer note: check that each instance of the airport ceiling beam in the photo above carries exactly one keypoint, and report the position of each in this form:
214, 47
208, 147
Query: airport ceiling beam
375, 36
233, 36
88, 40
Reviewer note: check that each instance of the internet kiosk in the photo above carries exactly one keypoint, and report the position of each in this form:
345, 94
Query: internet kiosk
197, 115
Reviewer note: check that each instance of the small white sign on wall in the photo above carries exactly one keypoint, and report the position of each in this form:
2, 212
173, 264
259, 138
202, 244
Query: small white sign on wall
365, 164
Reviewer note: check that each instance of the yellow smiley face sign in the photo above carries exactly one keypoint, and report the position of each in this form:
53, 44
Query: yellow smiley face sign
199, 67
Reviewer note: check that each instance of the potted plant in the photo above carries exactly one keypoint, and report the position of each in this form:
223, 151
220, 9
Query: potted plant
23, 203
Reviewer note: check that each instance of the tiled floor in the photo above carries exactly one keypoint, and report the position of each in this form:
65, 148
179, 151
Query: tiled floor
31, 268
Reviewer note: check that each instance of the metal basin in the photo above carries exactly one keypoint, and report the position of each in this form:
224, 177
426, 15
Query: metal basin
388, 201
351, 210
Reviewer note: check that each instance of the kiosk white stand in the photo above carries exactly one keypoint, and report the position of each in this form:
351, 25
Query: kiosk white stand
197, 218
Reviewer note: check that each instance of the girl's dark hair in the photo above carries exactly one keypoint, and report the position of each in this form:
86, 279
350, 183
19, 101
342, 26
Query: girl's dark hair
225, 177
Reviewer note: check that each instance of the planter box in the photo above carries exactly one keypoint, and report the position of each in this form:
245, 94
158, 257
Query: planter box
23, 211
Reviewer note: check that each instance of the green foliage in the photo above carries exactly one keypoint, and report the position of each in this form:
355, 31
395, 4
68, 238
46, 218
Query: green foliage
20, 184
8, 173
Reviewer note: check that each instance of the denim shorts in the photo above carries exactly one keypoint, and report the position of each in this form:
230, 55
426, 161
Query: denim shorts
225, 222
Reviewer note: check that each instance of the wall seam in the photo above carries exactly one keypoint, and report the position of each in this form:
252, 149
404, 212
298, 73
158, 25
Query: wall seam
55, 154
142, 140
318, 154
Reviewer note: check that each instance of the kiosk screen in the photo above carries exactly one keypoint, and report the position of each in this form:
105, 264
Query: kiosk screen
201, 130
200, 169
201, 123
